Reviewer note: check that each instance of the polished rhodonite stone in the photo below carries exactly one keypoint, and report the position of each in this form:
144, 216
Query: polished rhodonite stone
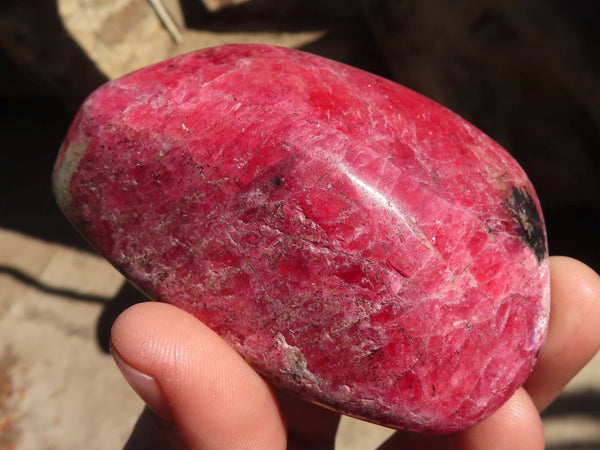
357, 243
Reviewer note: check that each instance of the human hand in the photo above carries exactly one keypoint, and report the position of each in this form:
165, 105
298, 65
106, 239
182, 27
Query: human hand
203, 395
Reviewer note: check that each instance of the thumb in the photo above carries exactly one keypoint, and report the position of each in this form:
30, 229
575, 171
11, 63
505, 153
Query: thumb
203, 393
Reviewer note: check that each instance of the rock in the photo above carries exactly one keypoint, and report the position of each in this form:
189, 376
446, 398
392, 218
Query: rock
523, 72
360, 245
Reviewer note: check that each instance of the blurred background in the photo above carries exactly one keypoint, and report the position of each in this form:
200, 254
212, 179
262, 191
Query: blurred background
525, 72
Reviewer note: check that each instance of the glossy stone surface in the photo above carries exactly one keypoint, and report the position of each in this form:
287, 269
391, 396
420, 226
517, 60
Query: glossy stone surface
357, 243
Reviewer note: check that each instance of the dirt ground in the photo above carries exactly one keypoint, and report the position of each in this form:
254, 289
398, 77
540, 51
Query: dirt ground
59, 388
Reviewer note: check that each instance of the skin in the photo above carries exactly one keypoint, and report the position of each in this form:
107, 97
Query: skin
202, 395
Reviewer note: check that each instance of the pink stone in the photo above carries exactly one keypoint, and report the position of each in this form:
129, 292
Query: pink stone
357, 243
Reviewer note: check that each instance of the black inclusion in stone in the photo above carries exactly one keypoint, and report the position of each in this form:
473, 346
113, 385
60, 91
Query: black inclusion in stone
524, 211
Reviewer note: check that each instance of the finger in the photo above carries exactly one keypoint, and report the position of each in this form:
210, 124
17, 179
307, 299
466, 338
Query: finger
573, 332
189, 376
515, 426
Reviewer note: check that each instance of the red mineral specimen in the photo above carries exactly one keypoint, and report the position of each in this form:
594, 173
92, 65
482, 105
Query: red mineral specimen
357, 243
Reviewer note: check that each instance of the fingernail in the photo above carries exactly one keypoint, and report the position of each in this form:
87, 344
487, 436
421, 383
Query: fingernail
146, 387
